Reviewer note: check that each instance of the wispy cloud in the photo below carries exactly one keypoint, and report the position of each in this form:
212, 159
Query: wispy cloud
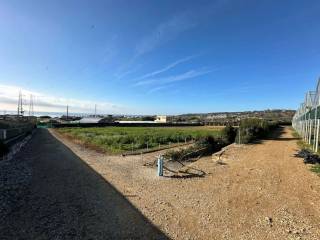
170, 29
157, 89
176, 78
126, 73
46, 103
165, 32
176, 25
166, 68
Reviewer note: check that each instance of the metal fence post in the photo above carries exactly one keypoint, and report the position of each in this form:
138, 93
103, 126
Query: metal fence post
310, 131
160, 166
317, 138
4, 134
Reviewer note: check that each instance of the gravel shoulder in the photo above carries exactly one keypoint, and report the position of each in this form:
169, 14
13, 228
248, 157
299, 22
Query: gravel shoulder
258, 191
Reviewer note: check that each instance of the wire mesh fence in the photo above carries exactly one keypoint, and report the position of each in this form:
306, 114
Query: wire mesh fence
306, 120
136, 149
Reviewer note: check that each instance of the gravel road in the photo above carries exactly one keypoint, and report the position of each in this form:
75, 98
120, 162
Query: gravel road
47, 192
257, 191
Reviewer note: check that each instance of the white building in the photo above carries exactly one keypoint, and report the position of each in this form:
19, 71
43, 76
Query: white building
161, 119
90, 120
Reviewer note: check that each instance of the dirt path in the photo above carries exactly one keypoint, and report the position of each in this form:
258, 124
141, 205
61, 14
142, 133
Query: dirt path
258, 191
66, 199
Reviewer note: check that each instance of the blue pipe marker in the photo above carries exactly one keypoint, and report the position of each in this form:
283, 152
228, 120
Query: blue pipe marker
160, 166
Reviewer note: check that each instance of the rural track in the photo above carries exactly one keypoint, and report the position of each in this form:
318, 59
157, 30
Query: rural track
66, 199
257, 191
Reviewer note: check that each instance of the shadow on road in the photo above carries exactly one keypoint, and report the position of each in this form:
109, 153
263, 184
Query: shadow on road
67, 199
275, 135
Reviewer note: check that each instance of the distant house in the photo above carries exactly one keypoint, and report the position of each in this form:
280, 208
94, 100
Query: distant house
90, 120
162, 119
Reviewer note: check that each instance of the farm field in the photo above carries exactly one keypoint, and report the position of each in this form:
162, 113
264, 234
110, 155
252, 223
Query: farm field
123, 139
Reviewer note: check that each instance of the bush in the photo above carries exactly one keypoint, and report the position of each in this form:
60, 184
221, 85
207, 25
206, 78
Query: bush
229, 134
252, 129
3, 149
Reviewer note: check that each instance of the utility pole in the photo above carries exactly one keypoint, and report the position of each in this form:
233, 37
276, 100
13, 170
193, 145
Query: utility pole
95, 110
31, 112
18, 111
239, 132
67, 112
20, 107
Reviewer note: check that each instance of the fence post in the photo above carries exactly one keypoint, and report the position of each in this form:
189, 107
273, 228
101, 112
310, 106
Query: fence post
305, 130
3, 135
317, 138
310, 131
315, 128
313, 140
160, 166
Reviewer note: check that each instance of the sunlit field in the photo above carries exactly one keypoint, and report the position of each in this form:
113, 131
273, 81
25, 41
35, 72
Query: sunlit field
123, 139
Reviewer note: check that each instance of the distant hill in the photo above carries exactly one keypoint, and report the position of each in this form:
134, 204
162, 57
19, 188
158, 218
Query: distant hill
221, 118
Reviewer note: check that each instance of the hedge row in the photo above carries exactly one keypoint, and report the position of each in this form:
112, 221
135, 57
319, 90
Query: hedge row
249, 130
252, 129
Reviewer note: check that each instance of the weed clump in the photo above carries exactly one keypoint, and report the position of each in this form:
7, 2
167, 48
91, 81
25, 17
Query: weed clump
229, 134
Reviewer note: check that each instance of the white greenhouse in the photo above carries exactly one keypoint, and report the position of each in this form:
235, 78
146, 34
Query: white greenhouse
306, 120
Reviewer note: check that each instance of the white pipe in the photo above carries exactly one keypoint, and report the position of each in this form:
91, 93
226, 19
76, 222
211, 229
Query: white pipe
310, 131
315, 127
317, 138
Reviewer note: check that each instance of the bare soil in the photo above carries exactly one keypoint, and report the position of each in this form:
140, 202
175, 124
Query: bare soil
258, 191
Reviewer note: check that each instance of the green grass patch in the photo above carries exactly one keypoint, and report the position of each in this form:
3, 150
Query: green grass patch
316, 169
123, 139
303, 145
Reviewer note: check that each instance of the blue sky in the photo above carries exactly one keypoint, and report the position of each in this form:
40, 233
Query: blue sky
152, 57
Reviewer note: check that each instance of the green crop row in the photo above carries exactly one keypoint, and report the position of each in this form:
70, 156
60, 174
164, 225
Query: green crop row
122, 139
